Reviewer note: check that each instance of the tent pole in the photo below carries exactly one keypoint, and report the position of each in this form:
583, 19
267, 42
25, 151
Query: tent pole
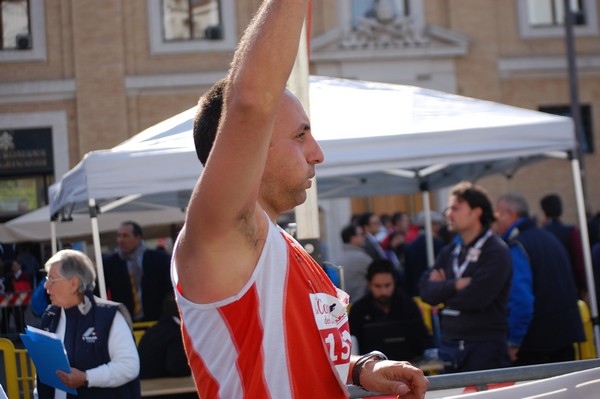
428, 231
53, 238
307, 214
97, 249
587, 257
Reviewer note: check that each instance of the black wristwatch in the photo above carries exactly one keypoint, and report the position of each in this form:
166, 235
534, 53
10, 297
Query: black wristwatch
375, 355
87, 382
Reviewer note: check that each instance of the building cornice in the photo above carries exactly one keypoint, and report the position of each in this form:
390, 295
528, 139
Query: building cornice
35, 91
542, 67
57, 90
442, 43
134, 84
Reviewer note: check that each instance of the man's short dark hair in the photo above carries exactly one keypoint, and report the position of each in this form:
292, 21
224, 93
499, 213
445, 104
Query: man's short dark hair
364, 218
551, 205
348, 232
380, 266
136, 229
397, 217
476, 197
206, 121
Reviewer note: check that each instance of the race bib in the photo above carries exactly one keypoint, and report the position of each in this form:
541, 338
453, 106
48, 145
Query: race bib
332, 321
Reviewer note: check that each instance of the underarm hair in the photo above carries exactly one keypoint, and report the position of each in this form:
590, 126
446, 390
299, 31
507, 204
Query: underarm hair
249, 230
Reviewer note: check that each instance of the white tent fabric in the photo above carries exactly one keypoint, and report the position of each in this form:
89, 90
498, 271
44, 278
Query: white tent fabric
161, 159
377, 138
35, 226
382, 138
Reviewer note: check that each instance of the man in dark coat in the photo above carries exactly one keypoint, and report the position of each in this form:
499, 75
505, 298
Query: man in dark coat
161, 347
544, 319
415, 253
471, 277
137, 276
568, 235
383, 306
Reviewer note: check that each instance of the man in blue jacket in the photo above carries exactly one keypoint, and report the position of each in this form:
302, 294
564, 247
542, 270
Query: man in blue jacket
544, 320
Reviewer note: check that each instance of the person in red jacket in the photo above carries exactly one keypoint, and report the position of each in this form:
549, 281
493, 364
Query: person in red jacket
19, 282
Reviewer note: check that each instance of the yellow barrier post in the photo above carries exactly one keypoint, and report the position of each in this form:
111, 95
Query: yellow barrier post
17, 377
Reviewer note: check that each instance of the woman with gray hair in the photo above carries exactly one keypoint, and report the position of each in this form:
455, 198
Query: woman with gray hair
96, 333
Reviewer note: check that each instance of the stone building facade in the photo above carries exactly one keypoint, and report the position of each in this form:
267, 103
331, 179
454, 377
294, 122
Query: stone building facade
92, 74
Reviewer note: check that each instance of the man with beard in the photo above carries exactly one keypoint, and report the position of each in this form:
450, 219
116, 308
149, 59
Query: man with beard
387, 319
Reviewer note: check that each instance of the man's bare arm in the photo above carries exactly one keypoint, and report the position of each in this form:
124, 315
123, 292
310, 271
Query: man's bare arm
219, 244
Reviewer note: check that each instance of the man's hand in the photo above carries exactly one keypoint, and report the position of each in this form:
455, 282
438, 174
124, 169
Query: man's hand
512, 352
398, 378
462, 283
437, 275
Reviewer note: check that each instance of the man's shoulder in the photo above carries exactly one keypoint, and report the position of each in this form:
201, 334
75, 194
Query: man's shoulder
495, 242
111, 257
496, 247
353, 249
361, 306
113, 262
157, 255
447, 248
537, 233
537, 240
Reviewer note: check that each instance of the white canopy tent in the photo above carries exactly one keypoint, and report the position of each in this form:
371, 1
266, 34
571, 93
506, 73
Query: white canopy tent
35, 226
377, 139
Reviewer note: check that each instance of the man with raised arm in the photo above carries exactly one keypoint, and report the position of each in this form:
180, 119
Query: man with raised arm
260, 318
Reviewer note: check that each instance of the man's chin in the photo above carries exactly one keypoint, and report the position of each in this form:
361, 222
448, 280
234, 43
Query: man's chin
301, 198
384, 301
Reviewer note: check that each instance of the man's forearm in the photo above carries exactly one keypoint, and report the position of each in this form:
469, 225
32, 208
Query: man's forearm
267, 51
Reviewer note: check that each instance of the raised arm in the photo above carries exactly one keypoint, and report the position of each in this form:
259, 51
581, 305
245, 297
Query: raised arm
225, 227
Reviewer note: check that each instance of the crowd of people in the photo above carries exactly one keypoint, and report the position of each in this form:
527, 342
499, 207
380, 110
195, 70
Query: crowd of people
503, 280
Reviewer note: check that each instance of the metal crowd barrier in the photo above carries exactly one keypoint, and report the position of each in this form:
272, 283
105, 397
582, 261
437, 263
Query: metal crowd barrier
495, 376
12, 303
10, 299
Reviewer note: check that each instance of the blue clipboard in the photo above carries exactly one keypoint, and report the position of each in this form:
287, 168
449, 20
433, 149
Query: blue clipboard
48, 355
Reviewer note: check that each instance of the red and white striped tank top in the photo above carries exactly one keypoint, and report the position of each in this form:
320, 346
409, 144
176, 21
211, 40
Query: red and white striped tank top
284, 335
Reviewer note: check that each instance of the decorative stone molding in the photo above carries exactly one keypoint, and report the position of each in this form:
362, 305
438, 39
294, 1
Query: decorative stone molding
383, 28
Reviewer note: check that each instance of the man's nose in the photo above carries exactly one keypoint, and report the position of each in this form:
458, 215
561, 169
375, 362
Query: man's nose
315, 154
